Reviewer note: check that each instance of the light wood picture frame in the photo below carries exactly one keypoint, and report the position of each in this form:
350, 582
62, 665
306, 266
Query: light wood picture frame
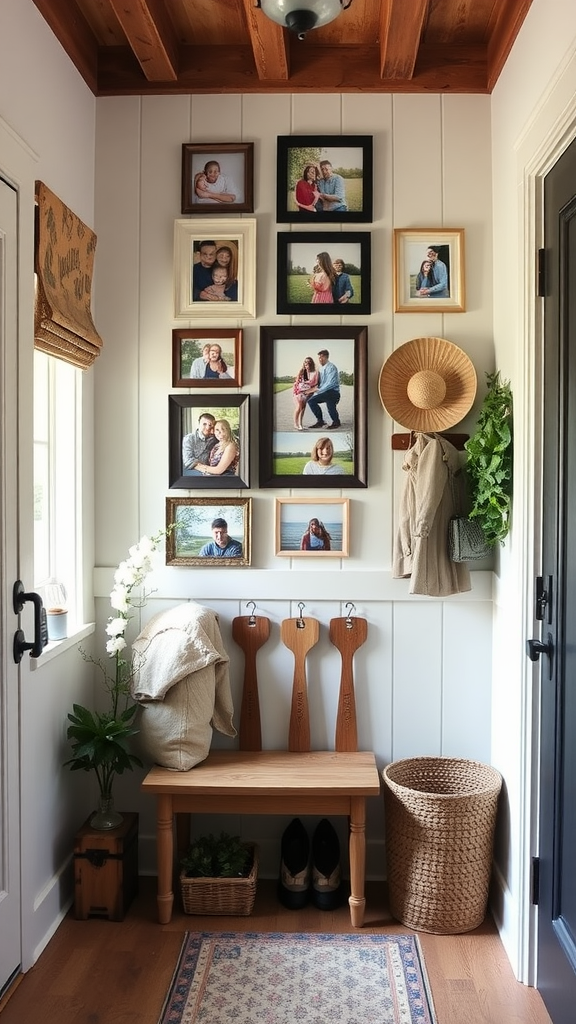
429, 270
200, 250
312, 527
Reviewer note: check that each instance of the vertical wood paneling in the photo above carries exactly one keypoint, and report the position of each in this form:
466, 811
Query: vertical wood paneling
467, 670
417, 686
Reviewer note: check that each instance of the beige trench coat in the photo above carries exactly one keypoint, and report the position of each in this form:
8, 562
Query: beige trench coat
434, 488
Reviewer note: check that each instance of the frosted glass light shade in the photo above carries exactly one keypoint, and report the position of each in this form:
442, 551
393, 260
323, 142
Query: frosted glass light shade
302, 15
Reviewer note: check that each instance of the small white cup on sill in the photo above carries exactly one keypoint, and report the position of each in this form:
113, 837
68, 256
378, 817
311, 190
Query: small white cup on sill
57, 621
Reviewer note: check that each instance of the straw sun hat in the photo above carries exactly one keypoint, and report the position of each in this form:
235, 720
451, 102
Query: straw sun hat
428, 384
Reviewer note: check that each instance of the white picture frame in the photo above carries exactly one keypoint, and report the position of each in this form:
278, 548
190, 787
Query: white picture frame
239, 238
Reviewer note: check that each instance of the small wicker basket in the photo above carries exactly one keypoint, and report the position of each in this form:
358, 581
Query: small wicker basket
221, 896
440, 819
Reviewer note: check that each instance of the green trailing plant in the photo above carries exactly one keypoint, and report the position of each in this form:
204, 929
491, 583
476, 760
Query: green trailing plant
489, 462
222, 856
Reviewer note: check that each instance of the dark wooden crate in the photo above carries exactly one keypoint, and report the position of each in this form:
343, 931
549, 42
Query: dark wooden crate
106, 869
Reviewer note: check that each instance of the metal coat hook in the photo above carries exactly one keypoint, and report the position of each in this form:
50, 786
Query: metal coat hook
252, 619
300, 623
352, 611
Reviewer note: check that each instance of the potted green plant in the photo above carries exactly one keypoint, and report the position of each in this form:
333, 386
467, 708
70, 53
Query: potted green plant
101, 739
218, 875
489, 462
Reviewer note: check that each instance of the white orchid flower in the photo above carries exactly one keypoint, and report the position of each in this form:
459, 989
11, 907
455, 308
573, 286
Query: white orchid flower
115, 645
116, 627
119, 598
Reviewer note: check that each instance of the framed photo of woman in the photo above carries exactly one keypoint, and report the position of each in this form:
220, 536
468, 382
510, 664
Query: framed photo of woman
217, 178
312, 527
324, 178
313, 407
323, 273
429, 270
206, 358
208, 439
214, 269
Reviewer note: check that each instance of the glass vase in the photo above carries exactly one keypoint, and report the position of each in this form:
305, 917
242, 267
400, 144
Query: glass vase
105, 817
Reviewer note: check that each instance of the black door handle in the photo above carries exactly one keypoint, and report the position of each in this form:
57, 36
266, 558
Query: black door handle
534, 648
19, 598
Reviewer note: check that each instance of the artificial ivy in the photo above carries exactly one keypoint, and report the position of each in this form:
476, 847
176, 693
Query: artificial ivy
489, 462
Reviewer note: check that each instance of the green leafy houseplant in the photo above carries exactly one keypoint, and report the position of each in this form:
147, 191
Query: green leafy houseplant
222, 856
489, 462
101, 739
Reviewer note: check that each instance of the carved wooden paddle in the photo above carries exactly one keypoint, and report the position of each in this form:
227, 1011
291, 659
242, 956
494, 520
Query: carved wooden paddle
347, 634
250, 633
299, 635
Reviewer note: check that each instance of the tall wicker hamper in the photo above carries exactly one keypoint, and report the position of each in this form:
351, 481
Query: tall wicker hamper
440, 819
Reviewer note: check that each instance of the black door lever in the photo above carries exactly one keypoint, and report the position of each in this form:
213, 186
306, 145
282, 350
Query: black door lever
534, 648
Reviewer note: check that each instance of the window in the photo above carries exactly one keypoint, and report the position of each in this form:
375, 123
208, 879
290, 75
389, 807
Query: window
57, 478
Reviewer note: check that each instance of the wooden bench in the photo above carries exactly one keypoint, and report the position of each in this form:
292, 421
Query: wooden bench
292, 782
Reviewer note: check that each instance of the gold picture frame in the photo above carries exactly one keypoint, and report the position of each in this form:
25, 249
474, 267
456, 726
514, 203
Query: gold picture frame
194, 519
424, 282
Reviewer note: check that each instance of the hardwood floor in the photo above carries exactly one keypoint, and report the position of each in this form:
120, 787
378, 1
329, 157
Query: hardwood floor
104, 972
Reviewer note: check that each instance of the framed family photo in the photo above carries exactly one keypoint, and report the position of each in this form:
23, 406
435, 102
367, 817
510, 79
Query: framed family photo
208, 441
312, 527
209, 531
313, 407
214, 269
321, 273
429, 270
206, 358
217, 178
324, 178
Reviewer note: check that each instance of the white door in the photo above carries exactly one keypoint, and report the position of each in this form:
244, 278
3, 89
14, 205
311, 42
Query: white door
10, 921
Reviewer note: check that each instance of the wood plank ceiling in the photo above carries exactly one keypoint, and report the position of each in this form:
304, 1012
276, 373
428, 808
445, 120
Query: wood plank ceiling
133, 47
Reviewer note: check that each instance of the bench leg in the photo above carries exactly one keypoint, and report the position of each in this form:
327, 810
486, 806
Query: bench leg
165, 854
357, 900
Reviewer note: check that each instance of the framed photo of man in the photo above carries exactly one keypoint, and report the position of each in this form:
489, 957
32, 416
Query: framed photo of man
208, 441
323, 273
313, 407
204, 358
209, 531
312, 527
324, 178
429, 270
214, 269
217, 177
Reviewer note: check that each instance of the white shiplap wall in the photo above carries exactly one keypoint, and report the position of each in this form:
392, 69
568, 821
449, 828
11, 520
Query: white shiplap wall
423, 677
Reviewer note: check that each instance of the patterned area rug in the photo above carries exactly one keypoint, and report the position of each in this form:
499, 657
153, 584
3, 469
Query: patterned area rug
299, 979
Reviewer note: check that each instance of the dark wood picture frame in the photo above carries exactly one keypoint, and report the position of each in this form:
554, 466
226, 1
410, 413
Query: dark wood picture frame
193, 518
184, 412
191, 345
297, 253
236, 162
351, 160
285, 450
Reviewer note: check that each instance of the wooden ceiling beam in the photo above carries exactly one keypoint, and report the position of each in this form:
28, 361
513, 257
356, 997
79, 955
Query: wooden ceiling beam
74, 35
268, 41
503, 36
400, 33
323, 69
151, 37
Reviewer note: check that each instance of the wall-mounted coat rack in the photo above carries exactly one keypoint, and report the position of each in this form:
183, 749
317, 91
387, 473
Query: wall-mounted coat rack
402, 442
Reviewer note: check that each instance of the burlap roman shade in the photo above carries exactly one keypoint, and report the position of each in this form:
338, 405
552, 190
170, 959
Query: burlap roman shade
64, 259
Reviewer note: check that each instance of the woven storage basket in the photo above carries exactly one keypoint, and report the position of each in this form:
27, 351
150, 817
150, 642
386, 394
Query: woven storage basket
221, 896
440, 818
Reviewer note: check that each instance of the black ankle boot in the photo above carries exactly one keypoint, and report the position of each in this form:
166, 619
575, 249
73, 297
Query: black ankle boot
295, 871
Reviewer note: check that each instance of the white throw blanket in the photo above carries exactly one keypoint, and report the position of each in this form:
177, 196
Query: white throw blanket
182, 683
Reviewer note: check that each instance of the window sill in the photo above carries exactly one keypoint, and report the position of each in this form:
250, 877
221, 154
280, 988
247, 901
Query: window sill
56, 647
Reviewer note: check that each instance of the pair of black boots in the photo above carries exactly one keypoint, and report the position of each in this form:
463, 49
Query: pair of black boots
310, 871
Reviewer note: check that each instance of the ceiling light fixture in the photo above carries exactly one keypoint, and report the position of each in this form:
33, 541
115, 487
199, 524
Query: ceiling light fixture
302, 15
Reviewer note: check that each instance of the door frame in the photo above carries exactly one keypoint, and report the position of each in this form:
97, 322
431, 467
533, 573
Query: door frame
533, 165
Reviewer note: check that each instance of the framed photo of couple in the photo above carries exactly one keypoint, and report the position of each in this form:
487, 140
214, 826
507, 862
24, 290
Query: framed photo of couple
208, 441
324, 178
215, 269
312, 527
429, 270
217, 178
313, 407
323, 273
209, 531
206, 358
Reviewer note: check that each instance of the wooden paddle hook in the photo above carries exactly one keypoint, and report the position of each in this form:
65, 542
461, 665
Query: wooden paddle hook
347, 634
299, 636
250, 633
